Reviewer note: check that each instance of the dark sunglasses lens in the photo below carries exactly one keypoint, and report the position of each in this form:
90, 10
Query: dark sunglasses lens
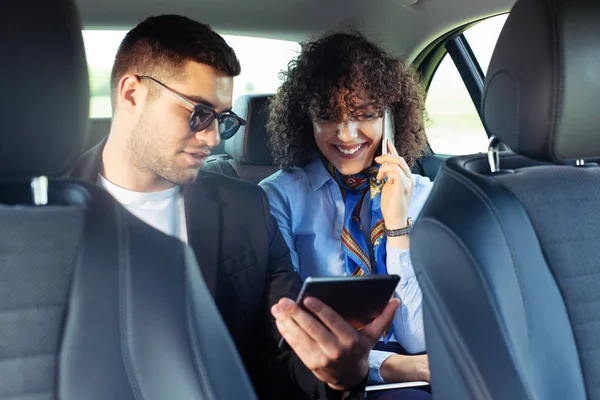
228, 126
200, 119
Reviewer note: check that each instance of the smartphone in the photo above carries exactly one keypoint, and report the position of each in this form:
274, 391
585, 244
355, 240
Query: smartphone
358, 300
388, 130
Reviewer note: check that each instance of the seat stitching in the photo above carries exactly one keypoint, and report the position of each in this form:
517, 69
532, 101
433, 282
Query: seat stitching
458, 345
30, 308
21, 394
124, 302
40, 355
492, 208
206, 387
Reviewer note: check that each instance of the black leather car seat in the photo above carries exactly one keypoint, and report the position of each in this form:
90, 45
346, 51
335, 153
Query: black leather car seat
506, 250
94, 304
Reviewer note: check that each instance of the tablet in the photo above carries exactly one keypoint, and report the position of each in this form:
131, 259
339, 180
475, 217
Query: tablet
401, 385
358, 300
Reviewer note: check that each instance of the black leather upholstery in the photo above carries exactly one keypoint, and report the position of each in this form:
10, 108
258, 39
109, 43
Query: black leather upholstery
42, 62
247, 154
508, 261
540, 94
94, 303
141, 319
249, 146
496, 325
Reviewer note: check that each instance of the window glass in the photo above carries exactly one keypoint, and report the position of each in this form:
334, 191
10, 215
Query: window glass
454, 126
261, 59
483, 37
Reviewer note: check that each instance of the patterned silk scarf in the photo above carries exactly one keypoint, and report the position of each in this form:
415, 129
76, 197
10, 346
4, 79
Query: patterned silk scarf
361, 258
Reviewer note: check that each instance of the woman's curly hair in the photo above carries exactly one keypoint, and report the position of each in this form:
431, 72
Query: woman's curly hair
338, 68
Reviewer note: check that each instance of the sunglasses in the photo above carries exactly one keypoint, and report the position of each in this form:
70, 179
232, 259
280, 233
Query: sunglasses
203, 115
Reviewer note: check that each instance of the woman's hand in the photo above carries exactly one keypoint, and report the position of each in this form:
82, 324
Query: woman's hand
399, 368
397, 191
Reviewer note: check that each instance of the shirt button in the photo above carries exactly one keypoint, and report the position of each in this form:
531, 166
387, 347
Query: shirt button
405, 264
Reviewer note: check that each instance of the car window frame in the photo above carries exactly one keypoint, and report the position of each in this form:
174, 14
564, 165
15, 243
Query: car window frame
456, 46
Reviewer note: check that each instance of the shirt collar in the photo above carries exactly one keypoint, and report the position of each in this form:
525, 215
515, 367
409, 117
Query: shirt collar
129, 197
317, 173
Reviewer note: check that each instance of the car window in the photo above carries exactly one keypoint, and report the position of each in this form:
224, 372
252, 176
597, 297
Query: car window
454, 126
483, 37
261, 59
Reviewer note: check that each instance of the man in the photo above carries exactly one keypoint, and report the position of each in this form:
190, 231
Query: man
171, 88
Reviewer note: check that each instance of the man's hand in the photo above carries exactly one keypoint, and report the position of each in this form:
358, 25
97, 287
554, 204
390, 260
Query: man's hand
334, 351
399, 368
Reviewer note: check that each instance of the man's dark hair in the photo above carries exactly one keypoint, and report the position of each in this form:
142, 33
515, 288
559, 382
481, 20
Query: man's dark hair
329, 75
161, 45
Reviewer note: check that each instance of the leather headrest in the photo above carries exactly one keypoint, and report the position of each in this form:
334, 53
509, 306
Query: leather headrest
249, 144
44, 89
542, 87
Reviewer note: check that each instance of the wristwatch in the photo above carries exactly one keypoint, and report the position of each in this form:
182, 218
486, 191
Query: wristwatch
402, 231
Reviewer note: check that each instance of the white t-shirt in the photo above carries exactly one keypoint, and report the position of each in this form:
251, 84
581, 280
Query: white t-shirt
162, 210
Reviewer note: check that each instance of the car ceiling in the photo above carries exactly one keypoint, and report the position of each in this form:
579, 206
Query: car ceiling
405, 27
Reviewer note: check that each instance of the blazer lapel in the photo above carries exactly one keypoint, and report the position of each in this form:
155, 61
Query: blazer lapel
89, 164
203, 221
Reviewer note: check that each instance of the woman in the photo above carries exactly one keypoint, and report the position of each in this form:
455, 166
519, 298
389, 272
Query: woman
343, 208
